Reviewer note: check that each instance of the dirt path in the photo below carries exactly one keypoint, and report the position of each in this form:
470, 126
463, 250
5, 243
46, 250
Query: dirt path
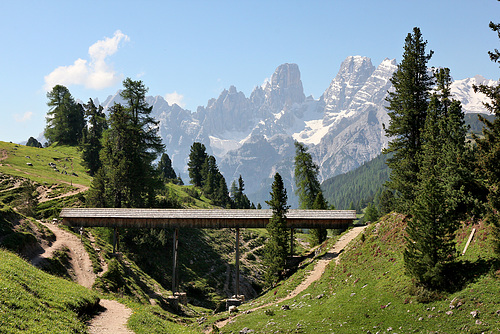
82, 271
113, 320
314, 275
44, 193
115, 315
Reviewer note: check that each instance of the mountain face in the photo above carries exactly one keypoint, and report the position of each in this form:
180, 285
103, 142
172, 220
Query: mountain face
253, 136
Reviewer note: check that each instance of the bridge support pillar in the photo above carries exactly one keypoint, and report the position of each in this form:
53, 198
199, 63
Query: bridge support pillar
174, 262
291, 242
115, 240
237, 260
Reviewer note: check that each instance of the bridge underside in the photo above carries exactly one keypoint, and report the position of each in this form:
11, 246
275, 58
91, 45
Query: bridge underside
178, 218
185, 218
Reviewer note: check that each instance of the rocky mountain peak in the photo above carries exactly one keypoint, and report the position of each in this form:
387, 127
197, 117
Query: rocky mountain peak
352, 75
354, 65
285, 87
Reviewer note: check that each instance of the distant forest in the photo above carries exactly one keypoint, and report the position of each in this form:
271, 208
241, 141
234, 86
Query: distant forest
357, 188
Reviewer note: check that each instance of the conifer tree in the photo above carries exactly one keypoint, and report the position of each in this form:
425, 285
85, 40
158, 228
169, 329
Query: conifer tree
130, 146
165, 169
441, 191
319, 234
210, 175
65, 118
428, 241
308, 187
488, 147
91, 141
276, 248
197, 157
240, 200
407, 111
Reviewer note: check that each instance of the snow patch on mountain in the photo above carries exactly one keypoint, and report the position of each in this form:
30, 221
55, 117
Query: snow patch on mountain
472, 102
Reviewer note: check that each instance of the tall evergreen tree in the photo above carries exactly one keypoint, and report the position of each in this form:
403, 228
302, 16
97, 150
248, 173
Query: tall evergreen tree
210, 175
145, 140
308, 187
130, 146
407, 111
197, 157
441, 191
92, 135
276, 248
240, 200
165, 169
65, 118
428, 241
488, 147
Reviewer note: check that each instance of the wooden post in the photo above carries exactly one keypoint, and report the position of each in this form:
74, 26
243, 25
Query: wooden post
468, 241
291, 242
114, 240
174, 264
237, 259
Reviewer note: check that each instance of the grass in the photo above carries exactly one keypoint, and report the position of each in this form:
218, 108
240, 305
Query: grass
66, 158
185, 196
35, 302
369, 292
152, 319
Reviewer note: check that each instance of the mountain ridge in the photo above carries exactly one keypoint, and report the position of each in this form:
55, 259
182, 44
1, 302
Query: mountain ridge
253, 136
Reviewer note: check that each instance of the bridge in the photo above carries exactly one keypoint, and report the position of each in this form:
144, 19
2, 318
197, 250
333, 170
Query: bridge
201, 218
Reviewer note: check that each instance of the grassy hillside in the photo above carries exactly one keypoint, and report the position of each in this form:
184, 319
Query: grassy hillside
35, 302
15, 160
369, 292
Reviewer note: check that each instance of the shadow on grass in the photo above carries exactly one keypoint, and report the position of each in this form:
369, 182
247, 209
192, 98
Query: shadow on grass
463, 272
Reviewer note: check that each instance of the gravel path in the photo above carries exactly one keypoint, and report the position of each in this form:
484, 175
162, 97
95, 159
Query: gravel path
112, 320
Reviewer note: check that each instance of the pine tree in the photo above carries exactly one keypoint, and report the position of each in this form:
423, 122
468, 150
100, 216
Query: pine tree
319, 234
197, 157
240, 200
65, 118
165, 169
385, 202
308, 187
306, 177
210, 177
407, 111
428, 244
91, 141
276, 248
130, 146
488, 147
441, 191
145, 142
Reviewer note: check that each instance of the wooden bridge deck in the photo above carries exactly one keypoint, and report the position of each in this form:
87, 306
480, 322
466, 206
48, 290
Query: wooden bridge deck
201, 218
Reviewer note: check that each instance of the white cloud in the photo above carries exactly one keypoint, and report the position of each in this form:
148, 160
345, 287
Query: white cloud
23, 118
175, 98
93, 74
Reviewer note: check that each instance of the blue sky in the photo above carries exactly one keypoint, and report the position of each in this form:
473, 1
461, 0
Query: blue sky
189, 51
